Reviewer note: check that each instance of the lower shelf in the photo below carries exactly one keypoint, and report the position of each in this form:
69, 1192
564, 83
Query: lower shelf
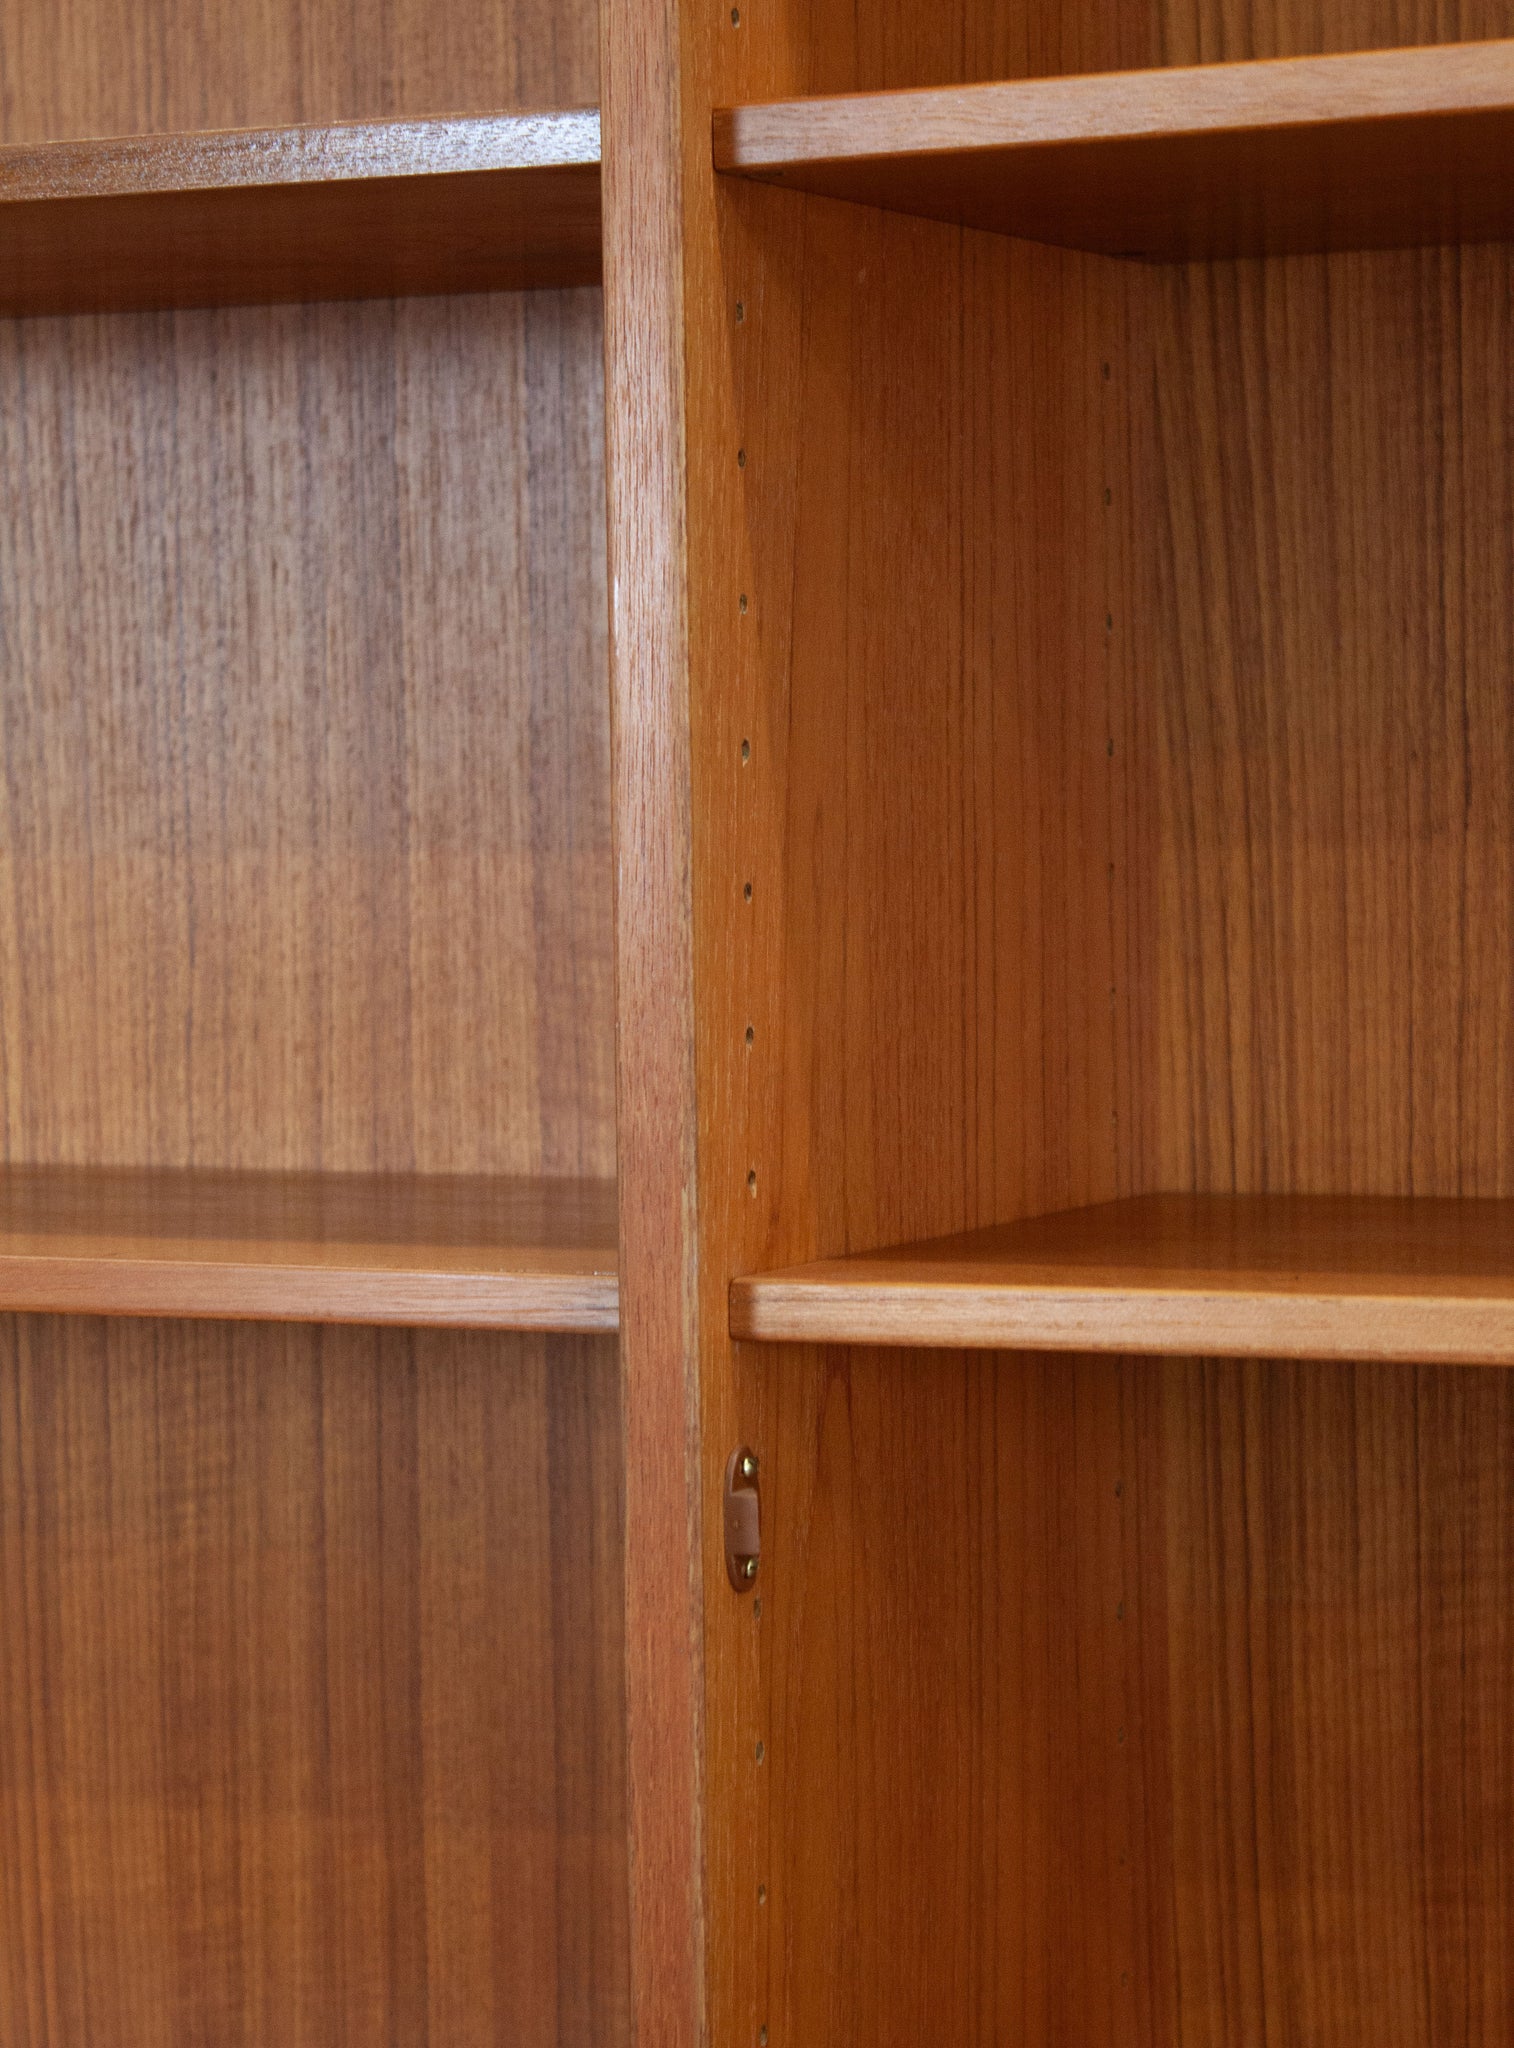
331, 1248
1218, 1276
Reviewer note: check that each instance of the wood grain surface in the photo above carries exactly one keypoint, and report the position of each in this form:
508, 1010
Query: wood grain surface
1156, 1702
1097, 760
915, 829
304, 833
358, 210
332, 1248
159, 67
657, 1113
1334, 752
309, 1715
1225, 1276
1377, 149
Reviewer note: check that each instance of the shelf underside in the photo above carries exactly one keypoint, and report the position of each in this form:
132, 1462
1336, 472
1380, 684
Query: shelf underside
464, 1252
1396, 148
375, 209
1217, 1276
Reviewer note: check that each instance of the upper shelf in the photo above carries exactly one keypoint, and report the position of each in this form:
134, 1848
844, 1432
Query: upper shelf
328, 1248
1390, 148
1217, 1276
373, 209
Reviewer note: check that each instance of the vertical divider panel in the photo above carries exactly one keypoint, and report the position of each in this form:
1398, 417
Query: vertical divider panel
655, 1109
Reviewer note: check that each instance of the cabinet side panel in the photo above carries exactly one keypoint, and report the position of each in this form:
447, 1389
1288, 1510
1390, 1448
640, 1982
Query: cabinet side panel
310, 1713
304, 825
919, 861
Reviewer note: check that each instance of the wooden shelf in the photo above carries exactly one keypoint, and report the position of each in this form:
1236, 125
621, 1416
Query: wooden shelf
1390, 148
376, 209
329, 1248
1221, 1276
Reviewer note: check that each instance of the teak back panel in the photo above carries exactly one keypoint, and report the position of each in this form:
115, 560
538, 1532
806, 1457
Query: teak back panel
1333, 907
1336, 748
115, 67
1089, 1699
311, 1720
304, 834
310, 1715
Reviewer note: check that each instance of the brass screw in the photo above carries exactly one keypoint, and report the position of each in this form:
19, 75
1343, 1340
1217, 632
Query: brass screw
749, 1569
749, 1467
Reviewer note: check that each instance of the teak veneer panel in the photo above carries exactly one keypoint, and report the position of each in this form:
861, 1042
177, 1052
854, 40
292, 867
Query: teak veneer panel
1377, 149
1220, 1276
310, 1721
304, 812
311, 1706
330, 1248
1078, 1698
913, 814
372, 210
88, 68
657, 1103
1328, 636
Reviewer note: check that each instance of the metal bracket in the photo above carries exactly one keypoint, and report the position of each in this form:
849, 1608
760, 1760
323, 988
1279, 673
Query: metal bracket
743, 1520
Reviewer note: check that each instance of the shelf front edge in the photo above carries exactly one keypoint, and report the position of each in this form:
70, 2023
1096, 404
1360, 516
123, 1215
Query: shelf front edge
566, 1302
1408, 1328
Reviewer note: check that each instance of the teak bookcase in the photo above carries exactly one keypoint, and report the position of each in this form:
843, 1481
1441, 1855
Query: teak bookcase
756, 1024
